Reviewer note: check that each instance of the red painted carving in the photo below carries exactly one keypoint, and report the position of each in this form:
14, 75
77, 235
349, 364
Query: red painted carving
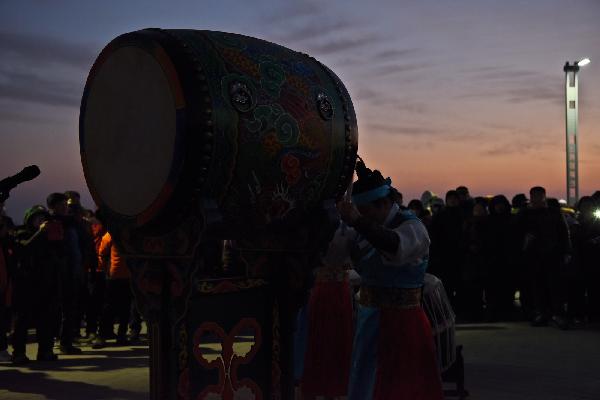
228, 387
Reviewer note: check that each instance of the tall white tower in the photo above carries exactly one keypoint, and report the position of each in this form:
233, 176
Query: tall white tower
571, 103
572, 121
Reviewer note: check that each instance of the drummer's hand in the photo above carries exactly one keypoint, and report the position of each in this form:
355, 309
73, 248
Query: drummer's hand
348, 212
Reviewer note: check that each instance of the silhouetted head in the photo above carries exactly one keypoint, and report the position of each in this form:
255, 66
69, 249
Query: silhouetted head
463, 193
520, 201
499, 205
537, 194
73, 197
34, 216
480, 208
372, 193
57, 203
452, 198
416, 206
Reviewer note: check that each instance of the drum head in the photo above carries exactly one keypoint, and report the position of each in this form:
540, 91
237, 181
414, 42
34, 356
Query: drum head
128, 130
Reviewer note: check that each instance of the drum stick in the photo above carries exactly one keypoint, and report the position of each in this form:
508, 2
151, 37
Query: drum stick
348, 199
348, 195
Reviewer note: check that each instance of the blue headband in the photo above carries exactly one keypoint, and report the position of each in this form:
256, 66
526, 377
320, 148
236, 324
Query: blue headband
371, 195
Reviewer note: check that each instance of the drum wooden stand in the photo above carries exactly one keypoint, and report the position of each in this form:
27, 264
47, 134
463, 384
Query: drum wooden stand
215, 334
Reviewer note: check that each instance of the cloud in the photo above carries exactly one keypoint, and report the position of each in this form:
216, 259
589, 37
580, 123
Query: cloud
512, 85
344, 43
321, 33
536, 92
293, 11
498, 126
380, 58
42, 69
31, 88
412, 107
508, 74
395, 104
7, 115
391, 54
313, 29
40, 50
367, 94
402, 130
517, 147
386, 70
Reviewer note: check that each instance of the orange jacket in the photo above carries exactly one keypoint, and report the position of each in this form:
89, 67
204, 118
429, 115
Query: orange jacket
117, 268
98, 233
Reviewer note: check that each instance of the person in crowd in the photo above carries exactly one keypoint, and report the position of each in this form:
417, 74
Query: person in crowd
546, 249
135, 323
393, 354
8, 220
96, 281
87, 249
586, 277
466, 201
73, 197
7, 272
436, 205
446, 247
474, 266
118, 294
519, 203
398, 198
72, 269
416, 206
500, 278
37, 283
426, 197
553, 203
324, 334
596, 198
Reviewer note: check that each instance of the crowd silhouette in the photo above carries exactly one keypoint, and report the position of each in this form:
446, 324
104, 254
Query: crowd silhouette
60, 273
533, 258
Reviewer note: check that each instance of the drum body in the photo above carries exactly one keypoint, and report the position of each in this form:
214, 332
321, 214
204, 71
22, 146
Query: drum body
173, 120
439, 311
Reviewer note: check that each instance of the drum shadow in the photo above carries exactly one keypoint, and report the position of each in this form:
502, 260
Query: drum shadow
479, 327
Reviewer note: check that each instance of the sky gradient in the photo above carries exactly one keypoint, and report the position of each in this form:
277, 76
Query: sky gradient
446, 92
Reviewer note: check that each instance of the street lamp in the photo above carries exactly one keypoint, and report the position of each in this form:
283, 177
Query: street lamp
572, 120
583, 62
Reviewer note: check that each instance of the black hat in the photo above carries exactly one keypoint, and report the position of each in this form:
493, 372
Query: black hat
54, 198
370, 185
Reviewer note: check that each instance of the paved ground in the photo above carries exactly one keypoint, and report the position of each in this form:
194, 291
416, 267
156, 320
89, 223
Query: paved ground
111, 373
503, 362
518, 362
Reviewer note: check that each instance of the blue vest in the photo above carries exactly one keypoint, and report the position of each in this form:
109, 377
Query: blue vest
369, 263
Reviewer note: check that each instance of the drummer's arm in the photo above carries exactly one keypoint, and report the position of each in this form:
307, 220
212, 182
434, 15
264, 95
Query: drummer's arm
380, 237
405, 244
338, 251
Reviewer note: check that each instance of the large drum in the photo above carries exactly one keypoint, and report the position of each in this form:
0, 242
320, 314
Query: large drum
175, 119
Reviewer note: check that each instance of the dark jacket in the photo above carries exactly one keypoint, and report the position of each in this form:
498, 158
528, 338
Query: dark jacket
38, 264
544, 233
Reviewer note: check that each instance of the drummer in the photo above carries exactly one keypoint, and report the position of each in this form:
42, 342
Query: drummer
393, 353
